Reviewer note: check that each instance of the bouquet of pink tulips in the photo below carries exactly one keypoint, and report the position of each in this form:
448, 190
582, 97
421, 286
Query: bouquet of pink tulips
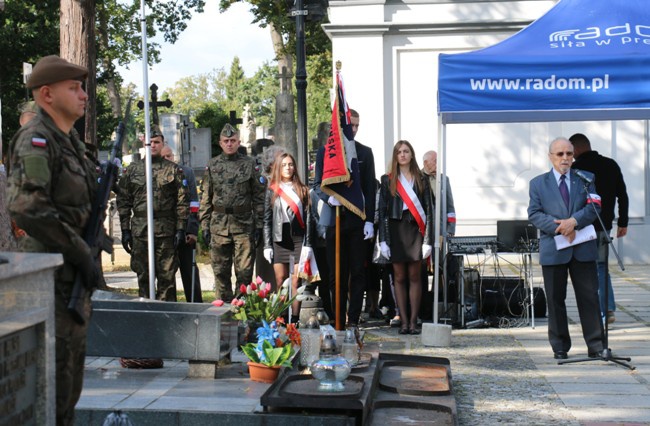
256, 302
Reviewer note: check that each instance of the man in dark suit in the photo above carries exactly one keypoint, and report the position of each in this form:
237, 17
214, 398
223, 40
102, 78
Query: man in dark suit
559, 205
354, 231
611, 188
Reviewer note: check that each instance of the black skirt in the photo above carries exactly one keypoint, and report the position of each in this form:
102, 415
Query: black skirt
290, 245
405, 239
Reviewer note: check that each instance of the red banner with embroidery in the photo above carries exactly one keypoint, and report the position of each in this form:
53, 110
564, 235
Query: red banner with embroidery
293, 203
341, 176
405, 191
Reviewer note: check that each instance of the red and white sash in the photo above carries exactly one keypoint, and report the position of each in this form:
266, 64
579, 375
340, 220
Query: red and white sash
292, 200
405, 191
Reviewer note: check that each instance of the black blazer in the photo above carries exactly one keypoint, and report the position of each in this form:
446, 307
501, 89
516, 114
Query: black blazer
392, 208
273, 222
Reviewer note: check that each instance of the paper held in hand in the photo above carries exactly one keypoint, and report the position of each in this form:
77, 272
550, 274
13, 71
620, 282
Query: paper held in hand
583, 235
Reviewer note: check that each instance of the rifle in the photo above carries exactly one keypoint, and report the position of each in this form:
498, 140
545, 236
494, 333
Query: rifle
93, 234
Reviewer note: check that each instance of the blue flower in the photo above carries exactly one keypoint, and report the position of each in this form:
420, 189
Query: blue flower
268, 332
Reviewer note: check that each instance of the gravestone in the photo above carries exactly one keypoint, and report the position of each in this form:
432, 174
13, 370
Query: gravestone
285, 124
27, 338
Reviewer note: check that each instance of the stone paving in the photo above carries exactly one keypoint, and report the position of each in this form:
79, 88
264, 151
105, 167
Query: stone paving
500, 375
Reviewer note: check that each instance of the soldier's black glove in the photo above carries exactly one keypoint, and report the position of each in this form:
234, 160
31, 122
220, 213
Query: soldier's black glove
127, 240
179, 238
206, 237
89, 272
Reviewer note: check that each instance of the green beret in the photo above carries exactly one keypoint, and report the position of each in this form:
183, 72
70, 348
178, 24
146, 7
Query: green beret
52, 69
229, 131
155, 131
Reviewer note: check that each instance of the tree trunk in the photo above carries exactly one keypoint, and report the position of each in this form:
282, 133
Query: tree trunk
78, 46
285, 60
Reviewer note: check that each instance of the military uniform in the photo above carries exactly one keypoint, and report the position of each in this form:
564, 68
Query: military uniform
170, 212
51, 186
50, 190
232, 207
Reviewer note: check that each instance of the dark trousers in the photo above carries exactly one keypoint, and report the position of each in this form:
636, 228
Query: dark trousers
184, 252
352, 258
324, 284
585, 285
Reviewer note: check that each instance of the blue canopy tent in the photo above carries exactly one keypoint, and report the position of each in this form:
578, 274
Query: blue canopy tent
582, 60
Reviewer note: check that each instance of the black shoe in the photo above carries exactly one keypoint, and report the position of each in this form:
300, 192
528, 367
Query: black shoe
404, 331
560, 355
594, 355
415, 331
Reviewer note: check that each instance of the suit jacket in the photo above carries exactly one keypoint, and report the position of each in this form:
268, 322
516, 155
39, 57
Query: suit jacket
445, 224
366, 162
546, 205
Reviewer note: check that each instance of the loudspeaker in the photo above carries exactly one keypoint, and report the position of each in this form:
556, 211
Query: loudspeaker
507, 296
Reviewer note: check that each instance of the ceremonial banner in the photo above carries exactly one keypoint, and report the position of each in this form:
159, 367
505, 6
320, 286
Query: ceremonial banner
341, 177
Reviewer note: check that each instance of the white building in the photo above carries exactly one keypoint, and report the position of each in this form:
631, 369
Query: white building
389, 52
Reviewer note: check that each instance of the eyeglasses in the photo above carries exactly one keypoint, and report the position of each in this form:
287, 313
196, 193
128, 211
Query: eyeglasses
562, 154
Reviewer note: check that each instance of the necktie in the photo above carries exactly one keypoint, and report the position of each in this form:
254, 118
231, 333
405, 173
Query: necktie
564, 190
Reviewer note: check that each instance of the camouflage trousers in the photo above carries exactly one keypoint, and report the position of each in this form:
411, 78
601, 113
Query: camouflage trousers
224, 250
70, 355
165, 264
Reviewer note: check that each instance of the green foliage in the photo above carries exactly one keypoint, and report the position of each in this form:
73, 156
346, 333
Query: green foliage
215, 118
233, 83
272, 356
319, 83
28, 31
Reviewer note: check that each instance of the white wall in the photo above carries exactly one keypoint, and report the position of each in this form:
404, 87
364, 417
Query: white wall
389, 50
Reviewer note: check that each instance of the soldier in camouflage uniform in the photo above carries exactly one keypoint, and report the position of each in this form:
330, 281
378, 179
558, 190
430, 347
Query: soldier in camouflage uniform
50, 189
170, 212
232, 207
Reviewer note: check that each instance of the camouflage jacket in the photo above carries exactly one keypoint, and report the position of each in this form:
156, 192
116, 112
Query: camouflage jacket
170, 198
51, 187
232, 199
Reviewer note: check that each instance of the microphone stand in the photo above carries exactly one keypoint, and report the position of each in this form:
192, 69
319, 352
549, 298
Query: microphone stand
606, 355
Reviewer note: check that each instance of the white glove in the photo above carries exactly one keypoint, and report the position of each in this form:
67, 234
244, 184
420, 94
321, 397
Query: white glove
385, 250
333, 201
426, 251
305, 254
268, 255
368, 231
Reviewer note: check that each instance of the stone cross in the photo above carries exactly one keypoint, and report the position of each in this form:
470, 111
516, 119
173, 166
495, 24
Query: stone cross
285, 80
154, 104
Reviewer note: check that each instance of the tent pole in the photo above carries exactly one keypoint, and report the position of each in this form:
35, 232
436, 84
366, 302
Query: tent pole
436, 240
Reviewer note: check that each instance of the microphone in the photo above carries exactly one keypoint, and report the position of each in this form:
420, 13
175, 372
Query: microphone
584, 177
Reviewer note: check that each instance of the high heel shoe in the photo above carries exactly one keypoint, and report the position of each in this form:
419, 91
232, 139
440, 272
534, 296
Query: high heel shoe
404, 331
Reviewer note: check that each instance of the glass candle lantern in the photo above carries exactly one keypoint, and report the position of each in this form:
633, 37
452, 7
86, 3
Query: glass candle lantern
310, 341
331, 369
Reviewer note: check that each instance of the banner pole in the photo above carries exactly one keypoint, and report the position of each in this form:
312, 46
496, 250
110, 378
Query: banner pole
337, 269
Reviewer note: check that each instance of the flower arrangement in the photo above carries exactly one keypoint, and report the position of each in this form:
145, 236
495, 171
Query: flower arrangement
256, 302
275, 344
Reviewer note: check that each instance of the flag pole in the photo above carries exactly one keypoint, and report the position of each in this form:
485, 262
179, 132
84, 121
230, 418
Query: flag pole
337, 269
148, 173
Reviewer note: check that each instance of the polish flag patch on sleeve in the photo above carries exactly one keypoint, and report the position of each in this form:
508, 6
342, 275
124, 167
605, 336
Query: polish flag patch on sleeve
451, 217
194, 206
39, 142
594, 198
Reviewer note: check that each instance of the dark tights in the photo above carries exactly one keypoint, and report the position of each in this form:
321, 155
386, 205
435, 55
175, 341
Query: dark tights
408, 272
